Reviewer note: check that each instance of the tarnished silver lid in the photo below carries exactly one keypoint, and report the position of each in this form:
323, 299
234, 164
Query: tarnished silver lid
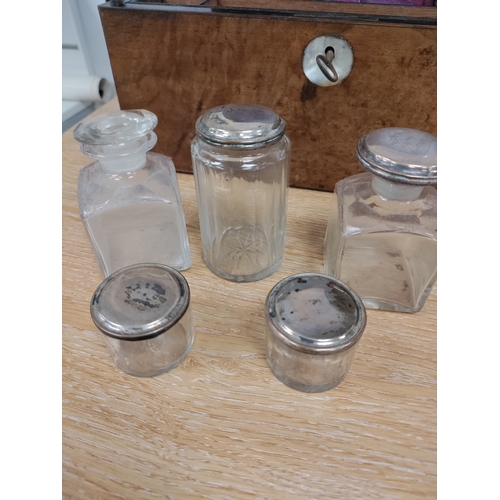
140, 302
400, 155
240, 126
315, 313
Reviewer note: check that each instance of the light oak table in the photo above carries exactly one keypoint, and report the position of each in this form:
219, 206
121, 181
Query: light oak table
220, 425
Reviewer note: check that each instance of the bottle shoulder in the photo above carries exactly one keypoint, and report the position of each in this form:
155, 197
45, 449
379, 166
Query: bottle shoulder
156, 164
361, 209
156, 181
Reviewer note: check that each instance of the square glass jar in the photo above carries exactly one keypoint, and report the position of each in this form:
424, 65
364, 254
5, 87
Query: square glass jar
314, 323
381, 238
129, 198
144, 313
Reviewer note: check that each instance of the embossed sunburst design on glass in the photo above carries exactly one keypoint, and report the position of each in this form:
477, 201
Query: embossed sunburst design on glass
243, 249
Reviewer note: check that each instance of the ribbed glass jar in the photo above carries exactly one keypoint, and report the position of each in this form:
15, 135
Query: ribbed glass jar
241, 162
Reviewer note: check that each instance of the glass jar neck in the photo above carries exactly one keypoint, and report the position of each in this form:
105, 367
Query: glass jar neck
395, 190
127, 156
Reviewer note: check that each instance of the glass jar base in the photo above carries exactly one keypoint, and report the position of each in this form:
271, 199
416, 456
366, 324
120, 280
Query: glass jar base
299, 386
156, 372
384, 305
246, 278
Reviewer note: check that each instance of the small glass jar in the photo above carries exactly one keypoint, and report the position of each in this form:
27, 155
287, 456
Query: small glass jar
241, 162
381, 238
145, 316
129, 199
314, 323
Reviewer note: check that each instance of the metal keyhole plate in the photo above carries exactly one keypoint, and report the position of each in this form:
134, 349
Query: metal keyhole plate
342, 61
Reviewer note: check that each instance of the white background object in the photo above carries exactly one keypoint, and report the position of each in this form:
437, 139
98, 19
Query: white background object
84, 54
86, 88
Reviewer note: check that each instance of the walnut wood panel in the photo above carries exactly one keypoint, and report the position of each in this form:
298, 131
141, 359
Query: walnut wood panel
178, 64
220, 425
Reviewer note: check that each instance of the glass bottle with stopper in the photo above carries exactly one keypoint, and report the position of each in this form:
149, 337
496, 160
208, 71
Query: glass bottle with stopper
381, 238
129, 197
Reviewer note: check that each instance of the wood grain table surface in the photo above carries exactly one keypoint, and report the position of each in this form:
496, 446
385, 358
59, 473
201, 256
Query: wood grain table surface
220, 425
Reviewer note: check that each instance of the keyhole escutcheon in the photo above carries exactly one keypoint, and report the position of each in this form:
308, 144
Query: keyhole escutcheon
327, 60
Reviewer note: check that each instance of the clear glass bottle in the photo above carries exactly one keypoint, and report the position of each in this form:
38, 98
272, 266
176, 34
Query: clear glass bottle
382, 235
129, 198
241, 162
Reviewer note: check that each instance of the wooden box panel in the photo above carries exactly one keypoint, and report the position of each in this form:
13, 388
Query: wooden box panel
179, 61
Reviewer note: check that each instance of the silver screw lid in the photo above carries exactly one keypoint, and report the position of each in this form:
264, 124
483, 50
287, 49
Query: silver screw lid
115, 127
240, 126
315, 313
400, 155
140, 302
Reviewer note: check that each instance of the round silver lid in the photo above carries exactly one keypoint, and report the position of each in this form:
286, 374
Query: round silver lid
400, 155
140, 302
240, 126
115, 127
315, 313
